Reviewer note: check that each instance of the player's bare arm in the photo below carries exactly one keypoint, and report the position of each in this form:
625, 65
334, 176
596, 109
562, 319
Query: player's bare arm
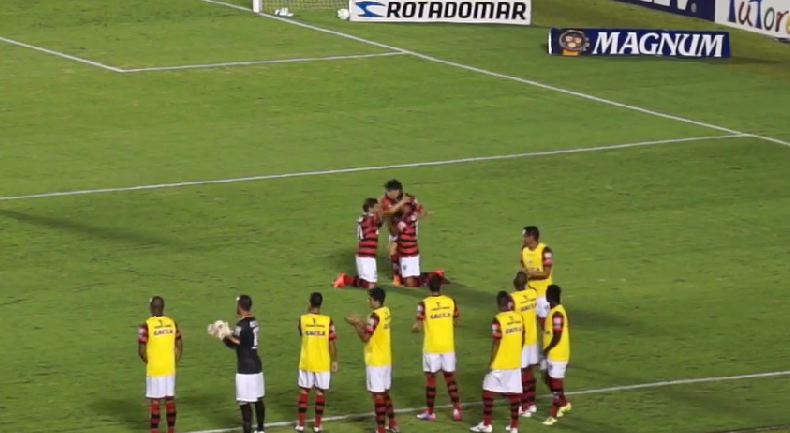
179, 344
494, 350
141, 351
397, 207
231, 341
354, 321
333, 356
142, 341
559, 326
417, 327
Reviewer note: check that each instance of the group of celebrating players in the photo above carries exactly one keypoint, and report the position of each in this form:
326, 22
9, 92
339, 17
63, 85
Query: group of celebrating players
529, 317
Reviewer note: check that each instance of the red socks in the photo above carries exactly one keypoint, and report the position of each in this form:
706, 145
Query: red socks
430, 392
452, 389
302, 407
154, 416
558, 392
170, 410
528, 388
380, 405
320, 405
488, 407
355, 281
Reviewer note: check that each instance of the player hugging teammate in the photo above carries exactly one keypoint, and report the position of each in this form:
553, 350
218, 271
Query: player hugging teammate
402, 213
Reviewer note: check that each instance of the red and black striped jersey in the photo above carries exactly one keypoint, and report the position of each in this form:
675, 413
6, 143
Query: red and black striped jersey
387, 203
407, 236
368, 234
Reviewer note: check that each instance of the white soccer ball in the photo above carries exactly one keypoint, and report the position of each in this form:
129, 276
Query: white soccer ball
343, 14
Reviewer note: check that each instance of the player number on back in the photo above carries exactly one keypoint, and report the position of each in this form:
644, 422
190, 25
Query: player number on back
255, 332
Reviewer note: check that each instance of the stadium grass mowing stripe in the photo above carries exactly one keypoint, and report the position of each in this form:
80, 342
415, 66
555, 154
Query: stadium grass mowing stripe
757, 429
496, 74
262, 62
588, 391
62, 55
370, 168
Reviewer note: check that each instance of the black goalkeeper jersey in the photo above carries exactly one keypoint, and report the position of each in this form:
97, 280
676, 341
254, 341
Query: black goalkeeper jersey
247, 359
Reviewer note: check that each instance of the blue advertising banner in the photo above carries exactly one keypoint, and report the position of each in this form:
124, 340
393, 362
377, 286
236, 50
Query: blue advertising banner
703, 9
635, 42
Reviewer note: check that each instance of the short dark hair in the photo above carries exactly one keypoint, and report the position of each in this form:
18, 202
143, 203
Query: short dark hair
502, 298
244, 302
369, 203
316, 299
520, 281
531, 231
554, 293
157, 303
393, 185
378, 294
435, 283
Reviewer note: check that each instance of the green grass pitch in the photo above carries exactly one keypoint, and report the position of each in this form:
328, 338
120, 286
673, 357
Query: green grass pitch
673, 254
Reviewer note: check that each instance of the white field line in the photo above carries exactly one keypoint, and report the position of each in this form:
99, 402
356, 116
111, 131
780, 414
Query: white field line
496, 74
62, 55
589, 391
261, 62
370, 168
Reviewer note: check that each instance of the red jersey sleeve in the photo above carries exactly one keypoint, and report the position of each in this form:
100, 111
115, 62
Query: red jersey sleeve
456, 311
142, 333
548, 256
373, 322
558, 322
496, 329
332, 334
421, 311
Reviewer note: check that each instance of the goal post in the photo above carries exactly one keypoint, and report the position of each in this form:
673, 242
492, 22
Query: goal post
297, 5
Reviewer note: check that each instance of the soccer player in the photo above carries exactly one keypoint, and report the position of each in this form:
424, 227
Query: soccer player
394, 196
317, 359
408, 247
159, 346
368, 236
505, 375
536, 261
250, 388
436, 317
557, 352
375, 333
524, 302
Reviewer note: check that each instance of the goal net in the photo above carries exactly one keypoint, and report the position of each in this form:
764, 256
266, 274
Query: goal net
297, 5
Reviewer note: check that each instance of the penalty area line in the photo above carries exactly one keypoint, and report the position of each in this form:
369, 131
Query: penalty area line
61, 55
262, 62
588, 391
370, 168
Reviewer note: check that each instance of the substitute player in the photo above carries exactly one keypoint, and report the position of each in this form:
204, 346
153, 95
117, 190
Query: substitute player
390, 204
524, 302
375, 333
159, 346
536, 261
557, 352
436, 317
250, 387
317, 359
504, 378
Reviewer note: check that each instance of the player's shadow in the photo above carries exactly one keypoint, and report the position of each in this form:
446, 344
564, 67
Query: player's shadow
112, 234
131, 412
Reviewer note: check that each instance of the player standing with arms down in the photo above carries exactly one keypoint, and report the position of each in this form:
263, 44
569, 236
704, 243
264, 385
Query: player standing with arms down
250, 388
524, 303
378, 357
507, 331
436, 316
557, 352
393, 196
317, 359
536, 260
159, 346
